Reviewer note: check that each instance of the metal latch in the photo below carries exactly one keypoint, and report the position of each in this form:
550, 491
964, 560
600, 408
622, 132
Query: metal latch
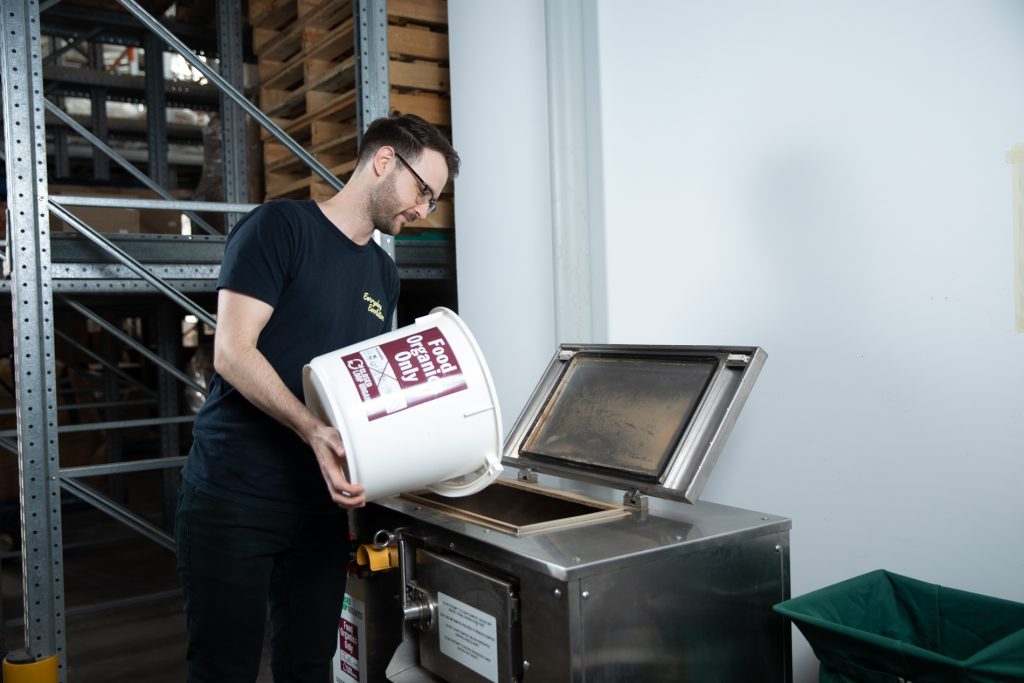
565, 354
737, 359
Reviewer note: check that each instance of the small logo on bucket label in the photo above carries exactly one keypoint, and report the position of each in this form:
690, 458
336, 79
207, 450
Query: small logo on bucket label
407, 372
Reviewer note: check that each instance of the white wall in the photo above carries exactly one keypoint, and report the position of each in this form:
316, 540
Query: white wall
828, 181
503, 200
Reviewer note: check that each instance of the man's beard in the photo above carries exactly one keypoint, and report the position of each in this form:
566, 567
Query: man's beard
384, 207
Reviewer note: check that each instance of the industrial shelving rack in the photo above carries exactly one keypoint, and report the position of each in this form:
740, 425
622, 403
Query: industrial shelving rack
52, 275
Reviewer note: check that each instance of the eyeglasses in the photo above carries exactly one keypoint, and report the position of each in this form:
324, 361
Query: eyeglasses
426, 194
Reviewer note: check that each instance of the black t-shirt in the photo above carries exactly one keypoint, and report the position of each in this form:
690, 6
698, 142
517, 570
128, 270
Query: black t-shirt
327, 292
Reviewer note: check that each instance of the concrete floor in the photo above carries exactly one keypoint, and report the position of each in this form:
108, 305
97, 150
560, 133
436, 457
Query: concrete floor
114, 634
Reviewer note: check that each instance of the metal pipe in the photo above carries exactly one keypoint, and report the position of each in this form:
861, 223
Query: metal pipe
105, 363
122, 162
130, 261
122, 467
135, 345
168, 205
156, 27
118, 512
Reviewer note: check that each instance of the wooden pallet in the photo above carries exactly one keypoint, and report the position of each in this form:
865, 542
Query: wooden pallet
307, 71
272, 14
425, 12
279, 44
328, 132
417, 42
325, 64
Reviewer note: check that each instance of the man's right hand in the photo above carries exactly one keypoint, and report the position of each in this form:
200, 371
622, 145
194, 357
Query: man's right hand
330, 452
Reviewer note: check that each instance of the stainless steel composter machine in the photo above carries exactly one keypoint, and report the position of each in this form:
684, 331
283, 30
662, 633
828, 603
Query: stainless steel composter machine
603, 568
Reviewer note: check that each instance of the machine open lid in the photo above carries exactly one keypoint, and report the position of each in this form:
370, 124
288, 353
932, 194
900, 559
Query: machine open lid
651, 419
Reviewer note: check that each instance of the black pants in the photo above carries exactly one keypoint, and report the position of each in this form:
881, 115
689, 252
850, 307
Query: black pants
234, 561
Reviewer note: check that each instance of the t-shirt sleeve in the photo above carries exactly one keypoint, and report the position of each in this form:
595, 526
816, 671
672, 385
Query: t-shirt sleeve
258, 253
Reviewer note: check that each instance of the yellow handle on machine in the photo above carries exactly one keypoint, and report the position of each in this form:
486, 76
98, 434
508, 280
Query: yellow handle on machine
378, 559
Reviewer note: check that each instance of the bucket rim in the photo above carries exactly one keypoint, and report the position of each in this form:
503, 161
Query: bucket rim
492, 466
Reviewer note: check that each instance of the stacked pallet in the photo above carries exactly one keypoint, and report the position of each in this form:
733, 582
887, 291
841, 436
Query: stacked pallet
307, 68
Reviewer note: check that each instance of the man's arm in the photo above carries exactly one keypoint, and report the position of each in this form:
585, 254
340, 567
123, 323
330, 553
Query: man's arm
240, 319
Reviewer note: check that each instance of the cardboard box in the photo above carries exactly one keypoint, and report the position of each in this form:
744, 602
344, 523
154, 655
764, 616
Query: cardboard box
160, 222
101, 219
150, 221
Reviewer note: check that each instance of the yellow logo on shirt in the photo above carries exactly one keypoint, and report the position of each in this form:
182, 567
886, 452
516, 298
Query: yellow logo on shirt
374, 306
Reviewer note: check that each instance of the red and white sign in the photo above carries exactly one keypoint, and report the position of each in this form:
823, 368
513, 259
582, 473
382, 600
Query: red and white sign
404, 373
350, 650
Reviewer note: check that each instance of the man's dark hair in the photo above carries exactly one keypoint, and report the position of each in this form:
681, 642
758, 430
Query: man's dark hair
409, 135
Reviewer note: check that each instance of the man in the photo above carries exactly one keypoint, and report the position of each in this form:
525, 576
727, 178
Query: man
262, 514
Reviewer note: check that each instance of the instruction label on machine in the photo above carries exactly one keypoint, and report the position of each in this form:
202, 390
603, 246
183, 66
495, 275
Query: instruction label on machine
351, 650
406, 372
468, 636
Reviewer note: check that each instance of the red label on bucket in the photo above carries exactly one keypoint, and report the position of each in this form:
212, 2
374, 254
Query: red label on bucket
407, 372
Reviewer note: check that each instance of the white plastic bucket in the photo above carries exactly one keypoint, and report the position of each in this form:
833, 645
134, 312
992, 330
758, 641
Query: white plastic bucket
416, 408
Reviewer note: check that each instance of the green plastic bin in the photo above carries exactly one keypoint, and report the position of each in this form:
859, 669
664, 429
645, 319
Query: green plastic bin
885, 628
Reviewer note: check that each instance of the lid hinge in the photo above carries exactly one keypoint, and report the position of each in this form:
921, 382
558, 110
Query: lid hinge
737, 360
527, 475
635, 499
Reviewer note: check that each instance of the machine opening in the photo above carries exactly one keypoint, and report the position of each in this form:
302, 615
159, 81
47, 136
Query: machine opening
519, 510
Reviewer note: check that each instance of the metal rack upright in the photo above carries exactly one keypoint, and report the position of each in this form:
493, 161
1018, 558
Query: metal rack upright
43, 266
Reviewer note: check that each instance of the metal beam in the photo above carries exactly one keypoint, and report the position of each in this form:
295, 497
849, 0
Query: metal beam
71, 21
89, 405
372, 86
98, 99
121, 161
161, 204
112, 424
156, 111
122, 467
156, 27
28, 232
112, 369
118, 512
71, 44
139, 348
130, 261
168, 334
232, 118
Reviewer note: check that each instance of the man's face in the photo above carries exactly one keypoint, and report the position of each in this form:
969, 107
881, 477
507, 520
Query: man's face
405, 192
385, 207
